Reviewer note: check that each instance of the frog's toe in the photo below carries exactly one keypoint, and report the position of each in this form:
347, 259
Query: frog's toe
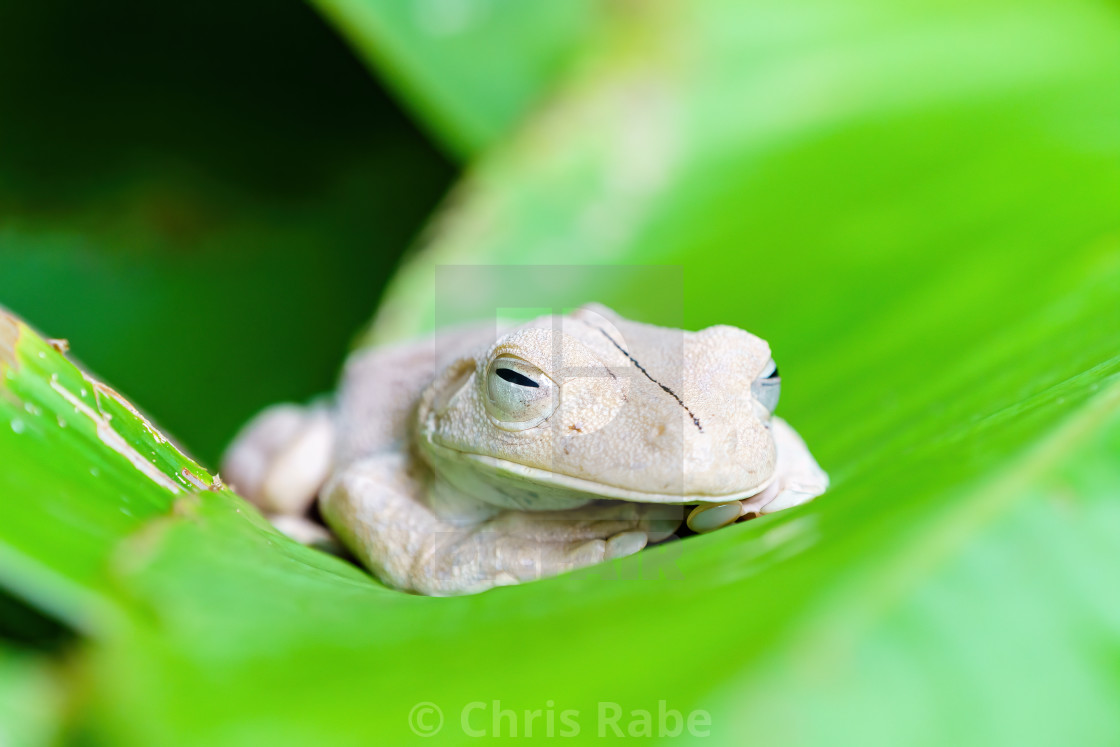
282, 457
627, 543
505, 578
585, 553
660, 521
307, 532
708, 517
790, 497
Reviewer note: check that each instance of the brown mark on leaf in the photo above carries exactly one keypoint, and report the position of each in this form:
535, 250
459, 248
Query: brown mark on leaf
9, 336
100, 388
114, 440
190, 477
215, 482
60, 344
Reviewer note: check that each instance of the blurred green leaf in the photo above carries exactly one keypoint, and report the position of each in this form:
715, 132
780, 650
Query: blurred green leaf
795, 159
470, 69
916, 206
30, 700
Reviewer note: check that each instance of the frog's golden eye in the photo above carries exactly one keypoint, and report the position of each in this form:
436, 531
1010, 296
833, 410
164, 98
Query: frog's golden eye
518, 394
768, 387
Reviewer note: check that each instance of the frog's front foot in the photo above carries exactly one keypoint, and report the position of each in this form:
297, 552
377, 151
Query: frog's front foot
281, 459
517, 546
798, 479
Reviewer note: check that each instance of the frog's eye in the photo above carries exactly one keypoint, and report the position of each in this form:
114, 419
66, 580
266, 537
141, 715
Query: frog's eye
518, 394
767, 387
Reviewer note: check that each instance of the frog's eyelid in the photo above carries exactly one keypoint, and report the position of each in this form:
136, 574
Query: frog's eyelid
767, 387
513, 377
518, 401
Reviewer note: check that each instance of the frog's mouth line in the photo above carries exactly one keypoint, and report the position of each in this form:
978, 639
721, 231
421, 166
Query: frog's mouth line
524, 474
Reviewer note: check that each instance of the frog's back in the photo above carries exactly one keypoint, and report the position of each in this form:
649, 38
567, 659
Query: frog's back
380, 387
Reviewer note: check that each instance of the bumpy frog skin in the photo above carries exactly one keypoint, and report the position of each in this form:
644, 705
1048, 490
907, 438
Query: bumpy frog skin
453, 465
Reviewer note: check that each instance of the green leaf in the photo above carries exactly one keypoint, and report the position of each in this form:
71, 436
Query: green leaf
84, 470
800, 162
471, 69
30, 700
915, 204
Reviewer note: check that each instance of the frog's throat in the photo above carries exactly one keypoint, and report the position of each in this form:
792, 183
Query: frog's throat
511, 485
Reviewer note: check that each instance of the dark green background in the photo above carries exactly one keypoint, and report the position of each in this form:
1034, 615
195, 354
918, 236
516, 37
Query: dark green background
205, 198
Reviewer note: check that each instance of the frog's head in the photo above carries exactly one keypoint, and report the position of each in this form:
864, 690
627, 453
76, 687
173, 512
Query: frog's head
563, 410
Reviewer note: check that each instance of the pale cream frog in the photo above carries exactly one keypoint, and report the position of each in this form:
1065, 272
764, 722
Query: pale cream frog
569, 440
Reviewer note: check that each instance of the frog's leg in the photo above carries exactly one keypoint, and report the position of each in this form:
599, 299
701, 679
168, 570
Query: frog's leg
281, 459
797, 479
800, 478
381, 514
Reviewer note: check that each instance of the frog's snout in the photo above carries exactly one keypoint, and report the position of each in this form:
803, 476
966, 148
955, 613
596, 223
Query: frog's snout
732, 389
729, 457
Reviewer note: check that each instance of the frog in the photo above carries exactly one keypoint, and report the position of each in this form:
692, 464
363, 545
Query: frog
494, 454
